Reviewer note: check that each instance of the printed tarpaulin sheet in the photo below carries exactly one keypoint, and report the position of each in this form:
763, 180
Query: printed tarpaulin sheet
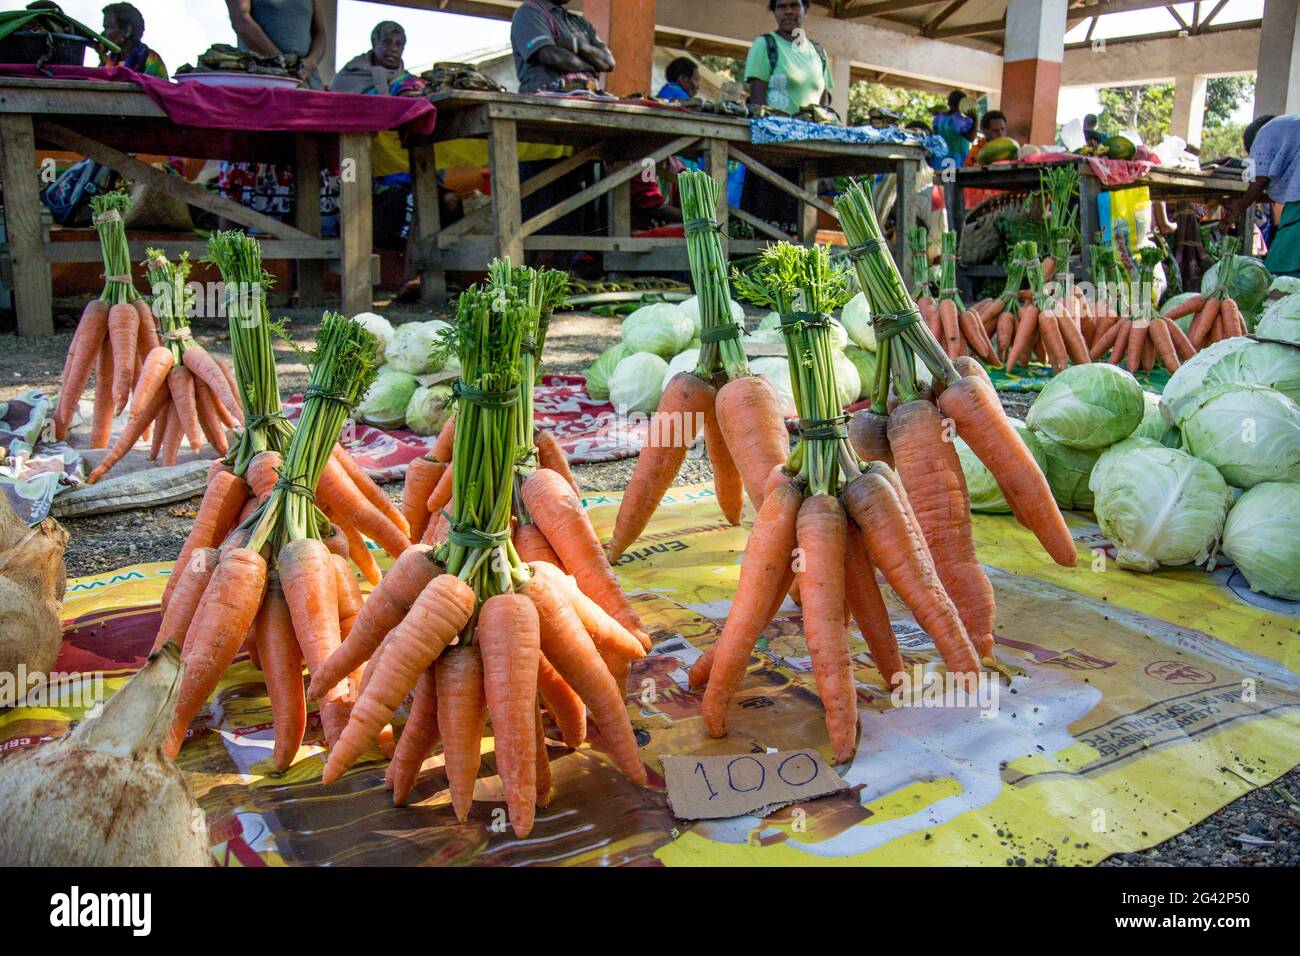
1137, 705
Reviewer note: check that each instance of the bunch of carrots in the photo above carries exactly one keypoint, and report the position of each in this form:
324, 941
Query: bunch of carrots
273, 579
958, 329
517, 605
1217, 315
242, 481
739, 412
429, 479
888, 494
182, 393
169, 382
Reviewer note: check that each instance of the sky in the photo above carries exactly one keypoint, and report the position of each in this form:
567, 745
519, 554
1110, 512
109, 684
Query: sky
181, 31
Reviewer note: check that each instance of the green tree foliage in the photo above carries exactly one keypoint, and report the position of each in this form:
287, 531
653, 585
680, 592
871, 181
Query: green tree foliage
725, 66
1150, 109
909, 104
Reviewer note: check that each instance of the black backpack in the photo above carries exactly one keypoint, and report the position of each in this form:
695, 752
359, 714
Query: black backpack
772, 55
68, 197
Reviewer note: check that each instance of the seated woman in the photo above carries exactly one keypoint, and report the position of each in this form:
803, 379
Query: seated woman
124, 25
683, 80
993, 125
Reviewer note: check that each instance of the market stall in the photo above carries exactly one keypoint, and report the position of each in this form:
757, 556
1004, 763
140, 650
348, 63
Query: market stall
108, 114
625, 135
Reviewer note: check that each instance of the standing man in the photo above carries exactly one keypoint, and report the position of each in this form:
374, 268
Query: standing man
124, 25
556, 50
785, 69
1273, 143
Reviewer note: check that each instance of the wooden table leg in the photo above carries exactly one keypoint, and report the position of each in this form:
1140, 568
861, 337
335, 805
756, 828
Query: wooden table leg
503, 154
906, 171
33, 299
620, 206
808, 223
306, 215
718, 157
356, 228
428, 223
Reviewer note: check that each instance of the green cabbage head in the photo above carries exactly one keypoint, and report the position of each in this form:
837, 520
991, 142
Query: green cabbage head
1235, 361
856, 318
865, 363
1249, 432
1158, 505
662, 328
1249, 284
429, 408
384, 403
1262, 537
1067, 470
1153, 424
1281, 318
412, 347
1088, 406
601, 369
637, 383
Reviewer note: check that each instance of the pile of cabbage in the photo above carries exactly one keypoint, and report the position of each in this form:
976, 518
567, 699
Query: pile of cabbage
403, 394
661, 339
1211, 468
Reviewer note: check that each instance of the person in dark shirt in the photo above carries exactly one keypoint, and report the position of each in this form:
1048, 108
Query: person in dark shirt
124, 25
683, 78
555, 49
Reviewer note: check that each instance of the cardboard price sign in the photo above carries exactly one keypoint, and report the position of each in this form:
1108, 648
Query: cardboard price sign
732, 785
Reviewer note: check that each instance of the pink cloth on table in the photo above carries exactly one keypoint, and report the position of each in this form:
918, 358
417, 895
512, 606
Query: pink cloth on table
194, 104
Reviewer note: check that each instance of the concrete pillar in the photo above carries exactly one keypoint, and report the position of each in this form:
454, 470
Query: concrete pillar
628, 27
841, 79
1189, 108
1277, 83
1031, 68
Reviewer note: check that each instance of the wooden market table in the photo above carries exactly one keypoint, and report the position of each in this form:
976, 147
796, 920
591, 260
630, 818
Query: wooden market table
1164, 185
625, 136
79, 116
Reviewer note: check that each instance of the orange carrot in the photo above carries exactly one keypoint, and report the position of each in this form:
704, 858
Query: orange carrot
950, 325
83, 352
180, 384
281, 663
438, 529
509, 642
213, 429
1050, 329
339, 493
973, 405
421, 478
311, 590
101, 426
749, 414
419, 737
337, 542
867, 435
1204, 321
386, 607
1119, 347
262, 473
123, 331
371, 491
222, 501
543, 772
438, 615
441, 493
727, 483
159, 427
1233, 324
673, 427
206, 368
191, 580
868, 607
446, 442
1075, 345
172, 436
221, 622
896, 546
532, 545
358, 551
557, 512
126, 441
461, 714
972, 329
1182, 345
551, 455
1026, 330
567, 646
1137, 340
1164, 343
1104, 341
700, 668
821, 532
1187, 307
611, 638
765, 573
346, 587
562, 703
153, 376
936, 490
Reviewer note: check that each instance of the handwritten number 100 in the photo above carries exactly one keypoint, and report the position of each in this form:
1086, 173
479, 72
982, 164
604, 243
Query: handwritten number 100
786, 775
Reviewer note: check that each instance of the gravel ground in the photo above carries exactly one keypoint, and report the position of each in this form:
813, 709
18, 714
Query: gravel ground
1261, 828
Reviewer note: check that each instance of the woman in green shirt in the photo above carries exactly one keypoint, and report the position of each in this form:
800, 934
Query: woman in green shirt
786, 70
